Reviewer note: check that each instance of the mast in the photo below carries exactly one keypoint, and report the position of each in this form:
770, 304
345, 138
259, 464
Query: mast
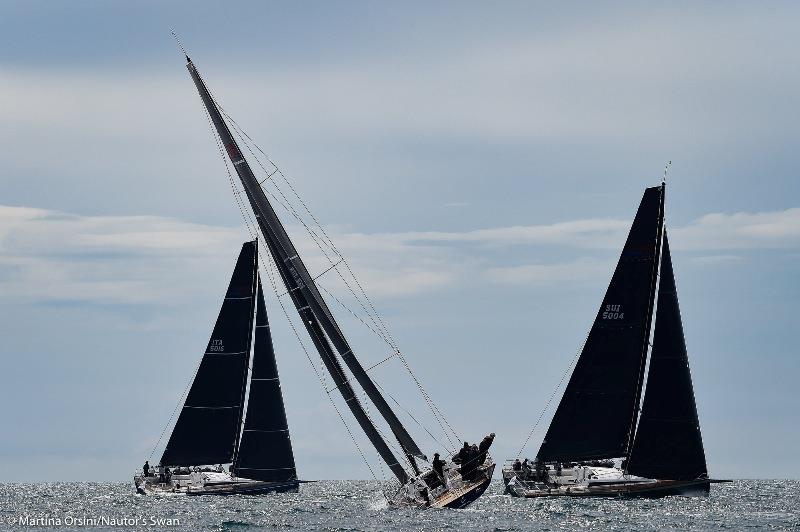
306, 296
668, 443
597, 412
207, 429
265, 452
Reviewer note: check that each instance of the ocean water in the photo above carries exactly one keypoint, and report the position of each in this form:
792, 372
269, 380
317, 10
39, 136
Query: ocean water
358, 505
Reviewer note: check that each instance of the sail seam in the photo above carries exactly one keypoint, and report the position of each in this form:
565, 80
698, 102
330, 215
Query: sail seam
212, 407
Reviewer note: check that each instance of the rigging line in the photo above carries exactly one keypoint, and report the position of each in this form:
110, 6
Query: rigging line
343, 375
252, 229
244, 137
443, 446
307, 356
241, 136
555, 391
381, 362
271, 275
387, 337
236, 194
374, 316
367, 370
286, 204
314, 278
178, 41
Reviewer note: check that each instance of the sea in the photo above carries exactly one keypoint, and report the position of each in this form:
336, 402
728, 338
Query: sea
360, 505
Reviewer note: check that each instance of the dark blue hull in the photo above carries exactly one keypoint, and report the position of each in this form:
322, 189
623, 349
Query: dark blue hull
469, 497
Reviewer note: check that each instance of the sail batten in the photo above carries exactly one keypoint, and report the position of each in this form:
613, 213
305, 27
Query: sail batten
668, 441
309, 302
597, 412
207, 428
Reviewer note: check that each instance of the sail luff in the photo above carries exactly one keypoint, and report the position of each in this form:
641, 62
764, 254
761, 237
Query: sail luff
286, 253
246, 369
648, 320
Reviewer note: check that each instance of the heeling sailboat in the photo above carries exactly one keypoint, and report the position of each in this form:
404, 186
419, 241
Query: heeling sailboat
213, 427
598, 443
449, 487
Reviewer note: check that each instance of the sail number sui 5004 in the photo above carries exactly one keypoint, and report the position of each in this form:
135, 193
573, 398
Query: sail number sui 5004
613, 312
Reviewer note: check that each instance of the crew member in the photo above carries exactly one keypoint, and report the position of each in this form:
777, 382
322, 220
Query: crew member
461, 457
483, 448
146, 468
438, 465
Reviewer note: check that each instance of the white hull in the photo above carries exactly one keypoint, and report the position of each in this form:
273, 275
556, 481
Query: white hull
207, 483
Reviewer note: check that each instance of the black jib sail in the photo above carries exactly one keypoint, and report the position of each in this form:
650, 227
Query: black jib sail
668, 442
597, 412
265, 450
207, 429
316, 316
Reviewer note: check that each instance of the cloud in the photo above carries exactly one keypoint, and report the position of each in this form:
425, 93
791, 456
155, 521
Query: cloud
741, 230
54, 256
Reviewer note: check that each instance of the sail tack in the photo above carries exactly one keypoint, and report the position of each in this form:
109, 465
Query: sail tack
668, 442
208, 426
265, 451
597, 412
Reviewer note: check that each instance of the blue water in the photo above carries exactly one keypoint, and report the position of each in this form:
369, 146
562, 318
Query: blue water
358, 505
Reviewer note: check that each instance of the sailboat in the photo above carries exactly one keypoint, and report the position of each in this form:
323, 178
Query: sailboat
214, 427
438, 485
602, 440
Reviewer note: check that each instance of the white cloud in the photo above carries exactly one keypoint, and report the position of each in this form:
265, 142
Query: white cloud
47, 255
741, 230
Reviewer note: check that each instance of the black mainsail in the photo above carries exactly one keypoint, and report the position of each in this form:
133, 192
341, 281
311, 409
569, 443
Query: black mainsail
668, 442
207, 429
597, 413
313, 310
265, 450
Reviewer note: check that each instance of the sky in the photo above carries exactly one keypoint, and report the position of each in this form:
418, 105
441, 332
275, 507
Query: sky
478, 164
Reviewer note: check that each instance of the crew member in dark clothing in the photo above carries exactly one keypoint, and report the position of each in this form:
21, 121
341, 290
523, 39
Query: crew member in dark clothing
483, 448
517, 465
470, 463
146, 468
461, 457
438, 465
